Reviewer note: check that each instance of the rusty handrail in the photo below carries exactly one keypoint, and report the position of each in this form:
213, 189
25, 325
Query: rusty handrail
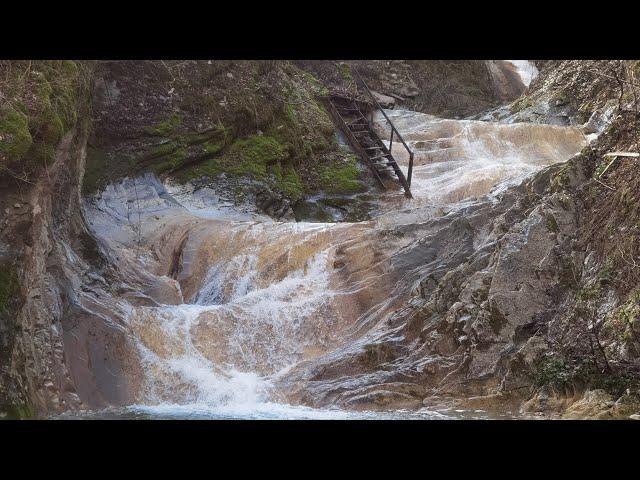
393, 127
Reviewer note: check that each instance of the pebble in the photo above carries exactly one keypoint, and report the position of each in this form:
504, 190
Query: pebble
635, 416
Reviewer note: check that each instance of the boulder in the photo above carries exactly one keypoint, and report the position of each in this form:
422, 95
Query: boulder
385, 101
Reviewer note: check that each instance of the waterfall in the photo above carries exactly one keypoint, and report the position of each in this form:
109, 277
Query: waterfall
259, 297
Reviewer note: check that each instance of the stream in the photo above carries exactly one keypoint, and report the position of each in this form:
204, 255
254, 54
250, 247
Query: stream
256, 299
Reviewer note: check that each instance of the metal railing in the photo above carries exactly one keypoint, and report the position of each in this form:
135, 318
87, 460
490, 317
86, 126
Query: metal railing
393, 127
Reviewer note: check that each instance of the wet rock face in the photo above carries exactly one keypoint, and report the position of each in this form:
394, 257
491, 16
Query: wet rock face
273, 204
509, 300
69, 349
566, 92
488, 277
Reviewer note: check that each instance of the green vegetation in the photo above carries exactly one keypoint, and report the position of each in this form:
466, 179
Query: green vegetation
552, 224
288, 181
341, 177
560, 179
588, 292
276, 132
9, 287
15, 139
252, 155
171, 160
100, 168
345, 71
600, 168
560, 374
294, 137
165, 127
521, 104
593, 289
623, 321
247, 156
18, 412
552, 372
42, 103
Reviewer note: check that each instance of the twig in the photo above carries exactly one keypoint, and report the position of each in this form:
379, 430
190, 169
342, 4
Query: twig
632, 263
16, 176
604, 184
607, 167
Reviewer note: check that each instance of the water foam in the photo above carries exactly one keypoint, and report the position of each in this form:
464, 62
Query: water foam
252, 319
261, 330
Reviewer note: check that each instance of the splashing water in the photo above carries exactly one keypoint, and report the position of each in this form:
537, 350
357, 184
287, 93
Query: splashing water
456, 160
526, 70
262, 296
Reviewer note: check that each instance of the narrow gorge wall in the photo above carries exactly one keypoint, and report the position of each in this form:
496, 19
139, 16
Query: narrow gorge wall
62, 345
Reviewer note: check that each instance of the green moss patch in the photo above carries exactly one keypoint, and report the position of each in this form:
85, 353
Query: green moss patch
560, 374
43, 100
15, 139
521, 104
18, 412
247, 156
288, 181
165, 127
341, 177
253, 154
9, 287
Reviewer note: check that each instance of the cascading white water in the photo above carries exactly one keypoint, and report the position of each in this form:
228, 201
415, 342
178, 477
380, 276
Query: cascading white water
241, 328
526, 70
456, 160
261, 295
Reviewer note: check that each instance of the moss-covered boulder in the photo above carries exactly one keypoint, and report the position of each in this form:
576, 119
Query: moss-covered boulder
40, 104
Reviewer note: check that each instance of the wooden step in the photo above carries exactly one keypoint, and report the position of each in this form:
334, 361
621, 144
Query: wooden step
348, 116
386, 155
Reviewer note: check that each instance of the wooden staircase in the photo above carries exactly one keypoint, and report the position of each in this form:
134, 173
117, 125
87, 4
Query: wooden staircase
350, 115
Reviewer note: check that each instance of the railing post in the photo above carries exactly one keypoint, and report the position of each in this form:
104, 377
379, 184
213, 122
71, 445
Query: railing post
377, 105
410, 169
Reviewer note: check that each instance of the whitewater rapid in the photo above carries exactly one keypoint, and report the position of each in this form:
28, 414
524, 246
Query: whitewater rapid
254, 297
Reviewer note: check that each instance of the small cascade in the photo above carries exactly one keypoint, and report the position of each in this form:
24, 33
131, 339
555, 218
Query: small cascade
259, 297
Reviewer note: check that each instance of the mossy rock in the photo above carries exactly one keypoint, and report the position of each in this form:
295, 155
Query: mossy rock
251, 155
341, 177
44, 107
521, 104
15, 138
165, 127
560, 373
18, 411
9, 287
101, 168
288, 181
